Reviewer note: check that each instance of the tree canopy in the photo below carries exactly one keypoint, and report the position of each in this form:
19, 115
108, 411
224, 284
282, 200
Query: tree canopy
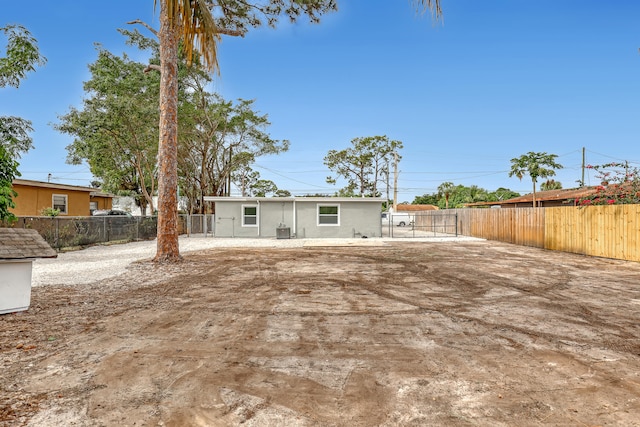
22, 57
365, 165
619, 185
115, 131
8, 172
198, 24
536, 165
459, 195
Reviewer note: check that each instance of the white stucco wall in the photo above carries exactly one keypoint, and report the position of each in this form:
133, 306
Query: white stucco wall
357, 217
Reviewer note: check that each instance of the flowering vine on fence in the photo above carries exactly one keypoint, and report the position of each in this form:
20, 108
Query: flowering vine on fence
620, 184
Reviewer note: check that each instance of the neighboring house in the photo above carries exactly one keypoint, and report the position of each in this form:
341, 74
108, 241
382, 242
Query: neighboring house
301, 217
549, 198
128, 204
71, 200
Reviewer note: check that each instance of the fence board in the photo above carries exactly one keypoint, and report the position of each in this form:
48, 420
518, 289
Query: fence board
604, 231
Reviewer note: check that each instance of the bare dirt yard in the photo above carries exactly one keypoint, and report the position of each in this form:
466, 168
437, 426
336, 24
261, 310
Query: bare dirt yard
384, 334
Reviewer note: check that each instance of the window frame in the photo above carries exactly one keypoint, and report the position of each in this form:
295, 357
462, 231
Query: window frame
66, 203
321, 215
245, 216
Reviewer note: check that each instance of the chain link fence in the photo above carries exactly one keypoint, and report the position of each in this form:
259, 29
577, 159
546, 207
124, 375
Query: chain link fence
64, 232
421, 224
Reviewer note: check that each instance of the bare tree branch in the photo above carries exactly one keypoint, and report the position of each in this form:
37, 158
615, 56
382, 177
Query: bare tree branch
144, 24
224, 31
151, 67
233, 33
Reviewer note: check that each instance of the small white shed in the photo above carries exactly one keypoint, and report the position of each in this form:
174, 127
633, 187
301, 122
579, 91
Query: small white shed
301, 217
18, 249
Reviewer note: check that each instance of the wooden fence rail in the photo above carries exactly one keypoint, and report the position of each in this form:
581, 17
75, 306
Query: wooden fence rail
604, 231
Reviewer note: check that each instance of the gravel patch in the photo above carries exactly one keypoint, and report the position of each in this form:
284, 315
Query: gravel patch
104, 261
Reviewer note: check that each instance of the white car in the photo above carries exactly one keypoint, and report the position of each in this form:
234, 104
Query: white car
399, 219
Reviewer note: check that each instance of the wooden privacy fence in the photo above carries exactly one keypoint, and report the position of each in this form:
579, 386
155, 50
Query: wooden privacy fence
604, 231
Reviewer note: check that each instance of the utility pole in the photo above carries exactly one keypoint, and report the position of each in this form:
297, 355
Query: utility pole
395, 181
626, 170
583, 166
387, 207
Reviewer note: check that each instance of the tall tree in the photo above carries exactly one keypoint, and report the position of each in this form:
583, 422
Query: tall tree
193, 23
114, 131
536, 165
22, 57
551, 184
218, 143
8, 172
364, 165
502, 194
446, 188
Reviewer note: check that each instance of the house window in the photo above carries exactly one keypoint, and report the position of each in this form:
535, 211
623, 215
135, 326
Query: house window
328, 214
59, 202
93, 206
249, 215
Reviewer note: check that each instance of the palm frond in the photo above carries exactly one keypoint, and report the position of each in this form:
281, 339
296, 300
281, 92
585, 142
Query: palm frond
434, 6
198, 29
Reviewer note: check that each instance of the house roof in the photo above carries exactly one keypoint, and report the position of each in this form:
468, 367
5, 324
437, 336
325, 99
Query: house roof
294, 199
30, 183
23, 243
408, 208
541, 196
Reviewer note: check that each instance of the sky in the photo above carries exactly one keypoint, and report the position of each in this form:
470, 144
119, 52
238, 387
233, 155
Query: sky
492, 81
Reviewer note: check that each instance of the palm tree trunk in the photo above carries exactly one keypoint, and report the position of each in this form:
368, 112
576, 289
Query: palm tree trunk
167, 242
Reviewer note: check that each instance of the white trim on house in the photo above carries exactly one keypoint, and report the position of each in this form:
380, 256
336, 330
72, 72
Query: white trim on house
328, 218
63, 206
253, 217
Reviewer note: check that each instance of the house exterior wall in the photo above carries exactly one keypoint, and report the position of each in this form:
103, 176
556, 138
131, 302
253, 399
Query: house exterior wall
274, 214
356, 219
229, 218
102, 202
32, 199
302, 216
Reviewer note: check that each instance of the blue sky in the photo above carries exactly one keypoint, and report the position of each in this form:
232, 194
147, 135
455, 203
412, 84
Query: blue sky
494, 80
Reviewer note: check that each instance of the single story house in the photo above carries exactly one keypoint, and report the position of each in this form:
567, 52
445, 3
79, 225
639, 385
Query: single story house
18, 248
548, 198
301, 217
71, 200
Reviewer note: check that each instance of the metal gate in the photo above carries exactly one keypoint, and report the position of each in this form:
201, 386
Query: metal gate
200, 224
422, 224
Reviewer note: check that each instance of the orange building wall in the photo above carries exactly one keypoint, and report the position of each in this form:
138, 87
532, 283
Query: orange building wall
104, 203
32, 200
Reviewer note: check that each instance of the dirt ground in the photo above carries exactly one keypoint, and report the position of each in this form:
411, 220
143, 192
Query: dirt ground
396, 334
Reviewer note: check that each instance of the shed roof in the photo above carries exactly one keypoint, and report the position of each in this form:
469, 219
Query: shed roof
23, 243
